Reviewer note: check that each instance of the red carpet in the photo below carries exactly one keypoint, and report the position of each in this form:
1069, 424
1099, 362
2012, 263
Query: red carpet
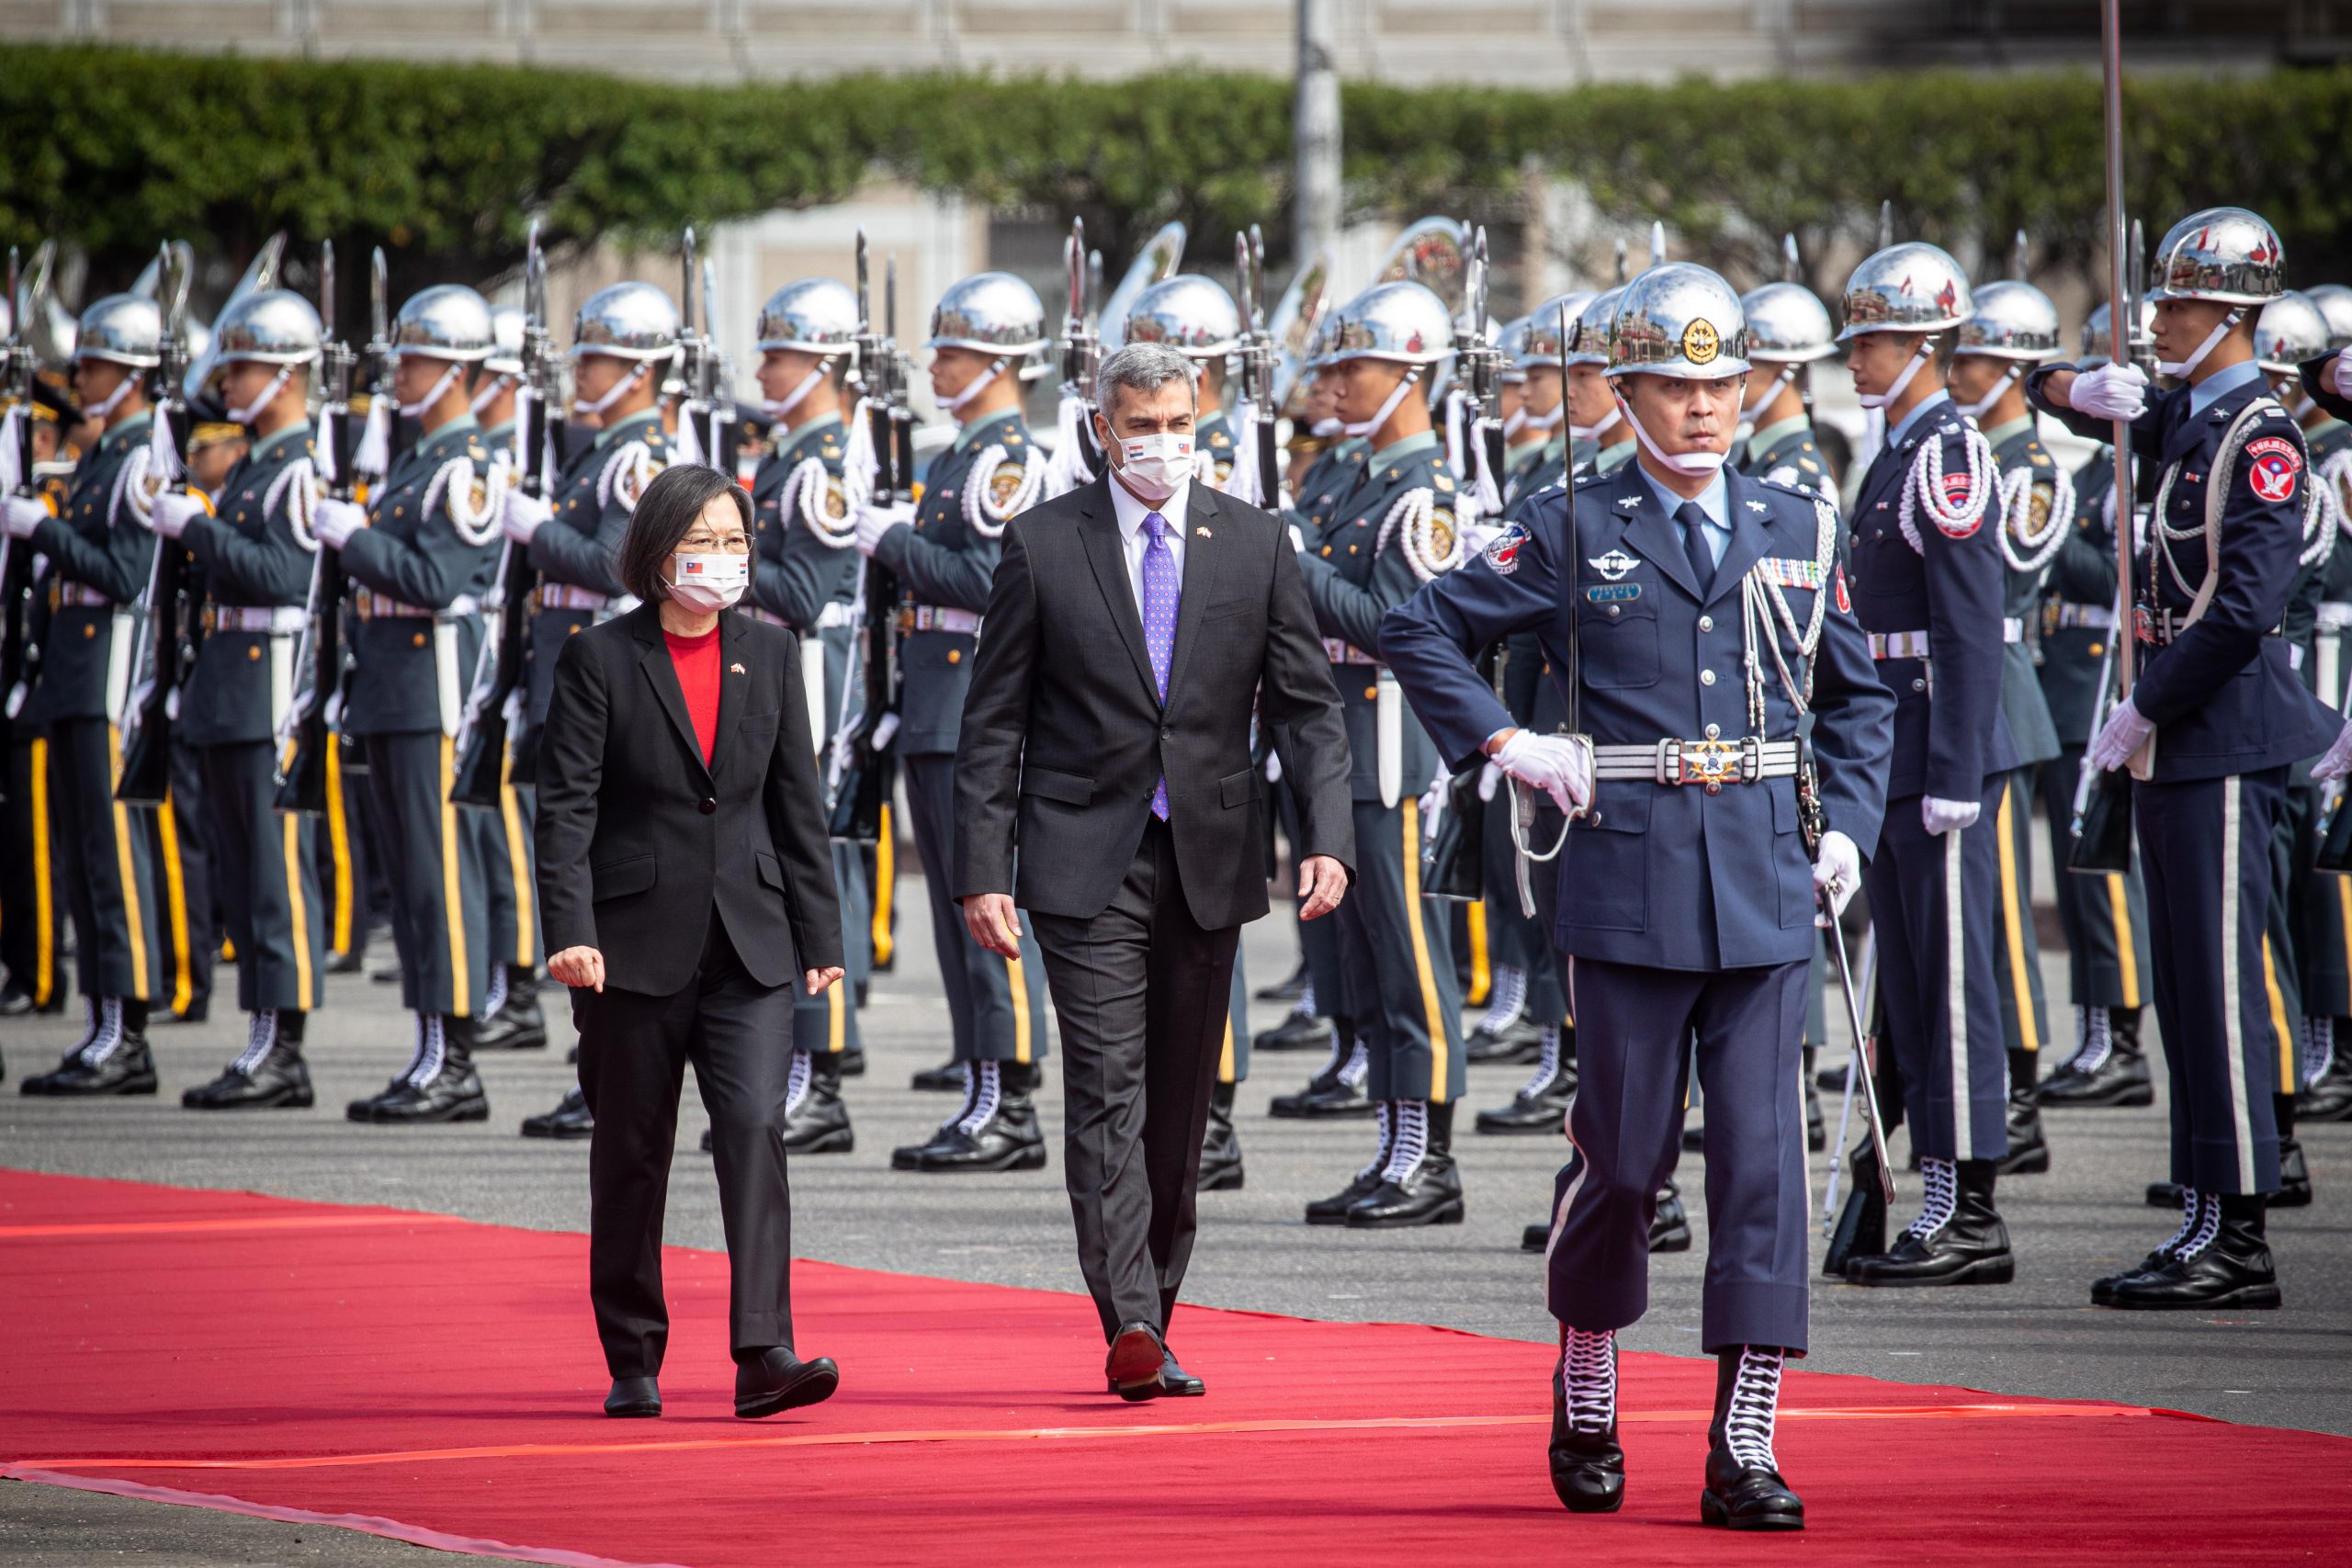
437, 1380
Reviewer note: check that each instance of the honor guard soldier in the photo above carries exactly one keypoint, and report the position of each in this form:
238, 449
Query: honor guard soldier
31, 894
1702, 616
1788, 329
2104, 915
99, 565
623, 339
2214, 722
987, 335
1329, 471
2326, 1068
2011, 328
419, 556
1394, 532
257, 553
1926, 575
1598, 441
806, 580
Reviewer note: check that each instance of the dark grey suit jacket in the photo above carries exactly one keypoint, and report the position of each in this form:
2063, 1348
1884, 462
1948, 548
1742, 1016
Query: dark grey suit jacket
1064, 735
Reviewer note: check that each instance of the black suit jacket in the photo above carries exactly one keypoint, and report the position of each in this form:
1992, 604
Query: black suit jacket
1064, 736
637, 839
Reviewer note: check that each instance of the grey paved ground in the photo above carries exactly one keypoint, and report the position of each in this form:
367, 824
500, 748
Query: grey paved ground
2291, 1368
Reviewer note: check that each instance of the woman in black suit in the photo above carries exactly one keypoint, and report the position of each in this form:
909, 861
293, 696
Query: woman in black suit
685, 883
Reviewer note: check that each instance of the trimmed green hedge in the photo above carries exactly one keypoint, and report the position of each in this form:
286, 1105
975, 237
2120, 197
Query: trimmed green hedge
112, 149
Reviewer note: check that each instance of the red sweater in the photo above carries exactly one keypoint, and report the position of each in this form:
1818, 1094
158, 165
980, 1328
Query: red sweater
696, 661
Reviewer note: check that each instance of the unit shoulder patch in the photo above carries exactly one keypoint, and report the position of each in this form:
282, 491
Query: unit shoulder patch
1502, 551
2273, 465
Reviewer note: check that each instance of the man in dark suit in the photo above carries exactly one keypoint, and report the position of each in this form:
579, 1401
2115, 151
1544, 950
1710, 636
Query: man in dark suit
1131, 625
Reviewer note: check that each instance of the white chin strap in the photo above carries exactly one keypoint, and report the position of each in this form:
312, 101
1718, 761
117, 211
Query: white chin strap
1885, 399
1693, 463
2180, 369
488, 395
251, 410
612, 393
1366, 427
955, 404
1593, 432
1324, 429
798, 395
448, 379
1763, 400
1976, 409
1542, 424
114, 399
2305, 410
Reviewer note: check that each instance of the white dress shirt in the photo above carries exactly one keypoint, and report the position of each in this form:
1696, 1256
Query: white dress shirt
1134, 539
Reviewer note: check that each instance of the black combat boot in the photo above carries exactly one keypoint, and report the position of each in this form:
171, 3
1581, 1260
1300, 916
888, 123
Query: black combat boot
2028, 1149
998, 1130
572, 1119
1817, 1128
1743, 1490
1337, 1088
516, 1023
1958, 1239
1669, 1223
1420, 1185
948, 1077
2294, 1171
1860, 1231
1541, 1102
269, 1074
2327, 1092
440, 1084
816, 1119
1587, 1465
1507, 1032
2192, 1218
111, 1057
1333, 1211
1290, 990
853, 1062
2226, 1263
1297, 1032
1220, 1144
2107, 1067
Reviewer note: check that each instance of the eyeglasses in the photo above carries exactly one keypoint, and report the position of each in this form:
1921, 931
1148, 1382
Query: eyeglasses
712, 544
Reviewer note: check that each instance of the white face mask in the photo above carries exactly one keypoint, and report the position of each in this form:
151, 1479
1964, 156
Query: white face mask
1154, 465
708, 584
2181, 369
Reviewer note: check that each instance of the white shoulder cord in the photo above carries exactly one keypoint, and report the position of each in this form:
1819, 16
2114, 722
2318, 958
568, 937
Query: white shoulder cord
2319, 523
1763, 600
1065, 469
130, 484
2217, 491
477, 525
1241, 479
806, 489
298, 482
2336, 474
625, 476
1922, 490
2016, 514
1411, 521
985, 517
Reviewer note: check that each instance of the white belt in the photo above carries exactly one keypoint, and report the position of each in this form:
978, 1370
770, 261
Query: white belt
1898, 645
1710, 762
2012, 629
939, 618
1342, 652
841, 613
373, 606
277, 620
564, 596
81, 596
2099, 616
2334, 616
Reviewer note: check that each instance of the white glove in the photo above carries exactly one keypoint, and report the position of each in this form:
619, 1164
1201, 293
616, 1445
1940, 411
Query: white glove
2111, 391
1297, 539
1941, 816
2339, 761
2118, 736
2339, 375
1559, 765
873, 522
170, 514
1476, 536
525, 515
336, 521
22, 514
1837, 872
1490, 778
1434, 802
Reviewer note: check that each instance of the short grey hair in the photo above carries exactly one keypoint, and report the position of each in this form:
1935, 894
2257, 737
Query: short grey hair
1143, 367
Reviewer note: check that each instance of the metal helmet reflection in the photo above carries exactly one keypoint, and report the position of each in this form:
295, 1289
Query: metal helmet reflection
1911, 288
1679, 320
1788, 323
1189, 313
2224, 253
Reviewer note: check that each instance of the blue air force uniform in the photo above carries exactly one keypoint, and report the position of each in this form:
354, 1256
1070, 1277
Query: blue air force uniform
1686, 901
2231, 715
2322, 931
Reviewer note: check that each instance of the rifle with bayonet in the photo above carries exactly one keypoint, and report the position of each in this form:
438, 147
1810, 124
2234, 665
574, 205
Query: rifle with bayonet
1080, 350
146, 775
859, 774
1477, 367
19, 657
725, 445
1261, 404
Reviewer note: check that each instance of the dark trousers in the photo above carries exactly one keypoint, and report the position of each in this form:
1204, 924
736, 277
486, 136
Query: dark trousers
1633, 1030
109, 868
827, 1025
267, 877
1318, 941
2105, 916
996, 1005
2025, 1013
32, 894
1935, 904
351, 866
2319, 911
186, 888
433, 859
1400, 962
510, 896
1518, 941
633, 1051
1143, 996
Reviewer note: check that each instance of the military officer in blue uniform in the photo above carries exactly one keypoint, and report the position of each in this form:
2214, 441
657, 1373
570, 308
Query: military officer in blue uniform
2326, 1094
99, 565
1703, 617
1927, 577
258, 556
987, 336
2211, 728
1393, 531
2105, 916
419, 556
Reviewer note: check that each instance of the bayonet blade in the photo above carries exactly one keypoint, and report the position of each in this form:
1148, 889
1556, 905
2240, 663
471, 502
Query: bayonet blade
710, 288
864, 311
379, 300
1886, 223
2019, 251
1788, 267
326, 288
1621, 258
890, 297
15, 303
1658, 242
686, 289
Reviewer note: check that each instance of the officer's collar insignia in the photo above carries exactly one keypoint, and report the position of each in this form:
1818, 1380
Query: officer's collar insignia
1614, 593
1757, 506
1613, 565
1630, 503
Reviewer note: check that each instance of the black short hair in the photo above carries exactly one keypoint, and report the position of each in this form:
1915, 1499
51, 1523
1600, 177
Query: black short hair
669, 507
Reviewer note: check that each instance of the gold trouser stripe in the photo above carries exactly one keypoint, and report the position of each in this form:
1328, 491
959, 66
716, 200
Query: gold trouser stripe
2288, 1048
127, 868
1225, 1053
453, 887
175, 903
1415, 914
338, 845
2013, 914
2127, 961
44, 891
519, 867
884, 873
300, 911
836, 1017
1019, 980
1482, 973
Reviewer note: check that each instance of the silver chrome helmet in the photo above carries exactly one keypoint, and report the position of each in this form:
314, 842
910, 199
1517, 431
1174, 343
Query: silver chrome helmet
1543, 346
1402, 322
628, 321
276, 327
1591, 345
121, 329
2011, 321
1911, 288
2096, 348
2289, 331
816, 315
448, 321
1787, 324
2224, 253
1190, 313
506, 322
2333, 303
1679, 320
1511, 344
993, 312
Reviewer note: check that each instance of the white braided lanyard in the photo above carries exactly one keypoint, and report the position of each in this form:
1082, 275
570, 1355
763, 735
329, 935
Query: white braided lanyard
625, 476
2217, 493
2017, 531
297, 484
1763, 601
130, 484
1922, 490
805, 490
984, 517
1411, 520
477, 525
2336, 480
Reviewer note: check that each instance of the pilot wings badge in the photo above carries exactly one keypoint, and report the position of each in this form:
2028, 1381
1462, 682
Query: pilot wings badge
1613, 566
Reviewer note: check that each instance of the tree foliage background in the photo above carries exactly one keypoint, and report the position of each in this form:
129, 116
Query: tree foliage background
112, 150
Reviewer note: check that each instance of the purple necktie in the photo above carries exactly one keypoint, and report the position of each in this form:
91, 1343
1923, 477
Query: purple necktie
1160, 591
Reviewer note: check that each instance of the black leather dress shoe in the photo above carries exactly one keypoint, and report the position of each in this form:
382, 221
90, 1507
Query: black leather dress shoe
947, 1079
14, 1001
1289, 990
1536, 1238
2120, 1080
279, 1080
777, 1381
1671, 1225
346, 963
1333, 1211
1535, 1108
853, 1062
1010, 1140
634, 1399
1429, 1195
1860, 1231
2233, 1270
129, 1068
1137, 1355
1327, 1095
1747, 1497
453, 1094
2103, 1289
1521, 1040
1173, 1383
1295, 1033
570, 1120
